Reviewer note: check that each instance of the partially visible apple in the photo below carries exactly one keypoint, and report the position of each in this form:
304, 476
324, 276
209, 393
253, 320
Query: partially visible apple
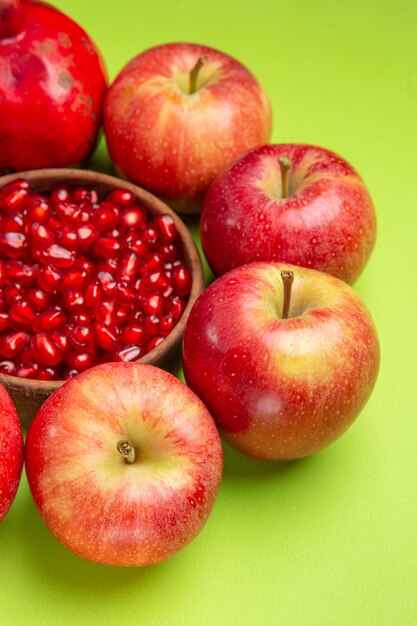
124, 463
290, 203
284, 368
176, 114
11, 452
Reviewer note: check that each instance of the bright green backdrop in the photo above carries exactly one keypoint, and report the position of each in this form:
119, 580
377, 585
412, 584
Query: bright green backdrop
330, 540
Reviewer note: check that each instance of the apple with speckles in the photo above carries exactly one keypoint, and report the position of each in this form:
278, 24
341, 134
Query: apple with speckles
177, 113
124, 463
283, 357
11, 452
290, 203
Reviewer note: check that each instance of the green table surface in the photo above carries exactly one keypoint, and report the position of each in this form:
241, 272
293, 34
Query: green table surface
332, 539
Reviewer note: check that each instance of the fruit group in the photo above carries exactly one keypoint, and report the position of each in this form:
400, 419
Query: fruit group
124, 463
51, 89
283, 376
11, 452
84, 279
322, 217
177, 113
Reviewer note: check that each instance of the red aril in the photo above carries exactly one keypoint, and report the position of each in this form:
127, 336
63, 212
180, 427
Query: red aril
84, 280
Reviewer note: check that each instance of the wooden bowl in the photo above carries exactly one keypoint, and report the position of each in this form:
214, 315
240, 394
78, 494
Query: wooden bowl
28, 395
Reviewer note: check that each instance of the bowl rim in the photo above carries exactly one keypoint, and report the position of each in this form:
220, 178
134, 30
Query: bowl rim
75, 177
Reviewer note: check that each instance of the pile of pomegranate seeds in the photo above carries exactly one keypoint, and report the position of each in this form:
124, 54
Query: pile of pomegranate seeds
84, 281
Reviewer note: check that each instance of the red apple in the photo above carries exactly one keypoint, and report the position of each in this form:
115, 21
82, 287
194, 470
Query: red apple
289, 203
177, 113
11, 452
283, 374
124, 463
51, 88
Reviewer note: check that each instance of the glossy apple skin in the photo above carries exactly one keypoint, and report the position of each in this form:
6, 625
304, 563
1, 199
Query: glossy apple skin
96, 504
51, 89
327, 222
278, 388
11, 452
175, 143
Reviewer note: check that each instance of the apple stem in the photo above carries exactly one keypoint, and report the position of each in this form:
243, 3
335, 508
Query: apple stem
127, 451
195, 72
285, 164
287, 281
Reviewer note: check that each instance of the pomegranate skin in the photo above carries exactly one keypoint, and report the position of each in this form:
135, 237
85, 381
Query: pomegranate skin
52, 83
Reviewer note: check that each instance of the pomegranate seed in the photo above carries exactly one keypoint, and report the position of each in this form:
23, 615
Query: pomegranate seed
169, 253
59, 257
107, 247
13, 224
106, 337
167, 228
4, 321
14, 201
134, 217
47, 373
176, 307
124, 294
134, 334
52, 319
105, 312
82, 338
60, 194
45, 349
81, 194
166, 325
128, 353
93, 295
106, 216
11, 293
73, 299
123, 314
13, 244
61, 341
122, 197
128, 267
76, 277
39, 299
181, 280
153, 304
49, 278
38, 209
152, 324
87, 234
27, 371
68, 213
26, 355
80, 361
22, 312
12, 344
136, 244
150, 235
80, 319
154, 342
153, 263
68, 238
40, 236
18, 272
156, 281
7, 367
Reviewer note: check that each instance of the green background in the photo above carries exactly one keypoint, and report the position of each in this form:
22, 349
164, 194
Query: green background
332, 539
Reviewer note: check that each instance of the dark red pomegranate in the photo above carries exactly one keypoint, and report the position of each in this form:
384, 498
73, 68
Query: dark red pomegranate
84, 280
52, 83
